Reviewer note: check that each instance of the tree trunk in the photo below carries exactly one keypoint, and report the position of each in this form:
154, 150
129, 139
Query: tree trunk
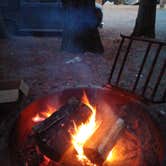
145, 22
80, 28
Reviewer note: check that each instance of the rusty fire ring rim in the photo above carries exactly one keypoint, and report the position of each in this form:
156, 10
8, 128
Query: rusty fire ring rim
92, 87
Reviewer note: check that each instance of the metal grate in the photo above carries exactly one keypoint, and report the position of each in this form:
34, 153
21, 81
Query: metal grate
138, 86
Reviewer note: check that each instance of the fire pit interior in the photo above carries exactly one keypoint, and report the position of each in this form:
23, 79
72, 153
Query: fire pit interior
87, 126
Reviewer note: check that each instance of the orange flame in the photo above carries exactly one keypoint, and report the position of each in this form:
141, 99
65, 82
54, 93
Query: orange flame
114, 155
37, 118
41, 116
80, 134
110, 156
83, 132
46, 161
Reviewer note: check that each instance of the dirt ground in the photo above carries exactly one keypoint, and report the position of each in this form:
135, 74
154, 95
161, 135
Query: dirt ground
121, 19
46, 69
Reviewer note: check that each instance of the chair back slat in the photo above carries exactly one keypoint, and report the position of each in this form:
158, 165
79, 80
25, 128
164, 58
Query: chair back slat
151, 69
159, 80
142, 66
116, 59
124, 61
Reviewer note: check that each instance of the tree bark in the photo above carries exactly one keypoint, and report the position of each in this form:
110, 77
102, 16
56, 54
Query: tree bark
80, 28
145, 22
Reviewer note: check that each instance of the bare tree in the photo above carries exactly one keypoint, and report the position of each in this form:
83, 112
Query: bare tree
80, 28
145, 22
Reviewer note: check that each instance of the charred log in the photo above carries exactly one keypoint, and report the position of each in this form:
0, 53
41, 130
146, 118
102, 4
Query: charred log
53, 135
98, 149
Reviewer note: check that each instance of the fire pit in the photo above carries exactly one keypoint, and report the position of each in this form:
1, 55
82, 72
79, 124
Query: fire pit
139, 143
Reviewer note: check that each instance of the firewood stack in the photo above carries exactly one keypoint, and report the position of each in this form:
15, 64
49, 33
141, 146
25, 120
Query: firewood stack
53, 135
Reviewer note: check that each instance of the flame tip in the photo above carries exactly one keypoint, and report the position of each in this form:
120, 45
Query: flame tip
84, 131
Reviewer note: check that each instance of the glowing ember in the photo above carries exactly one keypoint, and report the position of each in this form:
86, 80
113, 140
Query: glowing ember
39, 117
126, 148
46, 161
83, 132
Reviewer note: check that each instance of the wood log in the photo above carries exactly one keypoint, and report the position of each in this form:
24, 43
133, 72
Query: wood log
65, 110
102, 141
53, 135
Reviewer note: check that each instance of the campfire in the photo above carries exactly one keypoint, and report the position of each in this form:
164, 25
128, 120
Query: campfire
81, 130
88, 140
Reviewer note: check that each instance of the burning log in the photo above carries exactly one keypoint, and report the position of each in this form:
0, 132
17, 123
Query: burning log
102, 141
53, 134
